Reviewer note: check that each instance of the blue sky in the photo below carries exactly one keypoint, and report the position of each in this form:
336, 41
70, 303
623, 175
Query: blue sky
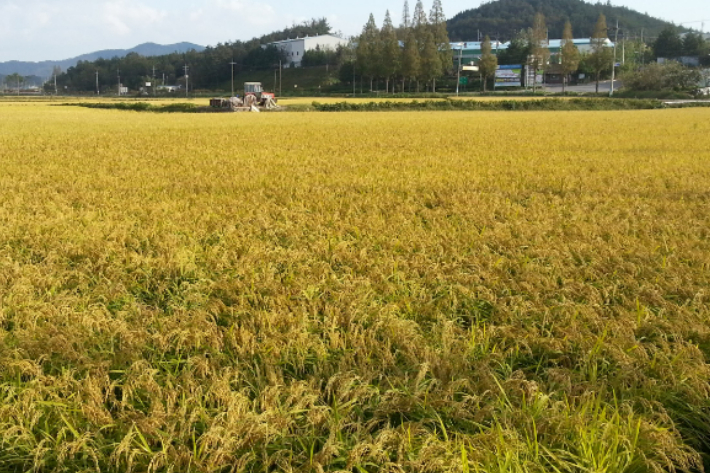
33, 30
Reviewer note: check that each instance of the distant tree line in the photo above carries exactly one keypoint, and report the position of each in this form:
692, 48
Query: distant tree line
417, 52
209, 69
670, 45
17, 81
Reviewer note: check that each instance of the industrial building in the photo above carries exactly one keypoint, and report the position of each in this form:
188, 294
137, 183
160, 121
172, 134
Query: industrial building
296, 48
470, 51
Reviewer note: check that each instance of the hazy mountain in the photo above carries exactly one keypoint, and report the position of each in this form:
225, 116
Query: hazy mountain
503, 19
44, 68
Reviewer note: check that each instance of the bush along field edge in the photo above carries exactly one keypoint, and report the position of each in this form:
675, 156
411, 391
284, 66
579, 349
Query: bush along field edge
552, 104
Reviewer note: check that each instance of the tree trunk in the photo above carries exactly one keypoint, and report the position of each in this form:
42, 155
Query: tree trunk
564, 82
371, 81
433, 86
597, 87
484, 80
387, 85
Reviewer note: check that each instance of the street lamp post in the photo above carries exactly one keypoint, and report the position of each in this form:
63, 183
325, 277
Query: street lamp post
232, 64
458, 72
613, 61
187, 80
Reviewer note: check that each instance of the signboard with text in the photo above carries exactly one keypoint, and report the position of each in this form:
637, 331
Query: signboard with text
509, 76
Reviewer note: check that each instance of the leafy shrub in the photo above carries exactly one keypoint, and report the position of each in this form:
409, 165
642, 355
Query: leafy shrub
662, 77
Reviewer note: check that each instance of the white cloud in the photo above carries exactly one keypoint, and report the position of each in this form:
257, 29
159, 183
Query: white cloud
232, 5
124, 17
42, 29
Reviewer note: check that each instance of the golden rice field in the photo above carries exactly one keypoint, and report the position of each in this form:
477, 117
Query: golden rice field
397, 292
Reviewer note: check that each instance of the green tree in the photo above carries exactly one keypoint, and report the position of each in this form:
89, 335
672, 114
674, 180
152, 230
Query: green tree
600, 58
517, 51
569, 55
419, 22
437, 23
420, 28
390, 50
369, 52
430, 60
406, 21
694, 45
15, 81
411, 59
489, 62
668, 44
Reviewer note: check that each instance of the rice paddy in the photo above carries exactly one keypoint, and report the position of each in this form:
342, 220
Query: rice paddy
362, 292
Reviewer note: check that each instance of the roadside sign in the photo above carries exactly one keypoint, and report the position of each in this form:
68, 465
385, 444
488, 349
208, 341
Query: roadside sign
463, 80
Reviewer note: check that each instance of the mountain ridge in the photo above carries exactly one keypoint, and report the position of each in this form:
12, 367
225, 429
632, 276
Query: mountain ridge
45, 68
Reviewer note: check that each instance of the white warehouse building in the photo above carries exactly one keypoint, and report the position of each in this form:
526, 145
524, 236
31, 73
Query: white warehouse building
295, 48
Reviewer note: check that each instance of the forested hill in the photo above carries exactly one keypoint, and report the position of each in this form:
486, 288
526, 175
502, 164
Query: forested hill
503, 19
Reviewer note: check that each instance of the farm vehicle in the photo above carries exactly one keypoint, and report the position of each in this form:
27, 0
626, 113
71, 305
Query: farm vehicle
254, 100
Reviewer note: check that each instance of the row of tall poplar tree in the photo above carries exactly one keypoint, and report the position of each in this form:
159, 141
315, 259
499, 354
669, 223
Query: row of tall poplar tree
417, 51
535, 53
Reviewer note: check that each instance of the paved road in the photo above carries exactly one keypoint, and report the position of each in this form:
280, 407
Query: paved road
604, 86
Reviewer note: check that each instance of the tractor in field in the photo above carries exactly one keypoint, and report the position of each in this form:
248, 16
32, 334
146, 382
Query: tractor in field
260, 98
254, 100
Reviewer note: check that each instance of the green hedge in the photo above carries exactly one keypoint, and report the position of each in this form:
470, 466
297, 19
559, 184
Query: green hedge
141, 107
542, 104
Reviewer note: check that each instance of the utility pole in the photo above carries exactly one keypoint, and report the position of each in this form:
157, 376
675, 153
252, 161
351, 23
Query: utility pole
97, 83
280, 82
613, 60
234, 64
187, 80
458, 72
153, 83
118, 71
56, 91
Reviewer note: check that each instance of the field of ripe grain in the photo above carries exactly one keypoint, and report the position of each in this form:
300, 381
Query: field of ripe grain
399, 292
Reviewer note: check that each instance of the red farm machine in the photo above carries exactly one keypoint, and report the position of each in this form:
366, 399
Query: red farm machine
255, 99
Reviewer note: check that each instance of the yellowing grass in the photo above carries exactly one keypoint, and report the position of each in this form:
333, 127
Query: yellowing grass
354, 292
